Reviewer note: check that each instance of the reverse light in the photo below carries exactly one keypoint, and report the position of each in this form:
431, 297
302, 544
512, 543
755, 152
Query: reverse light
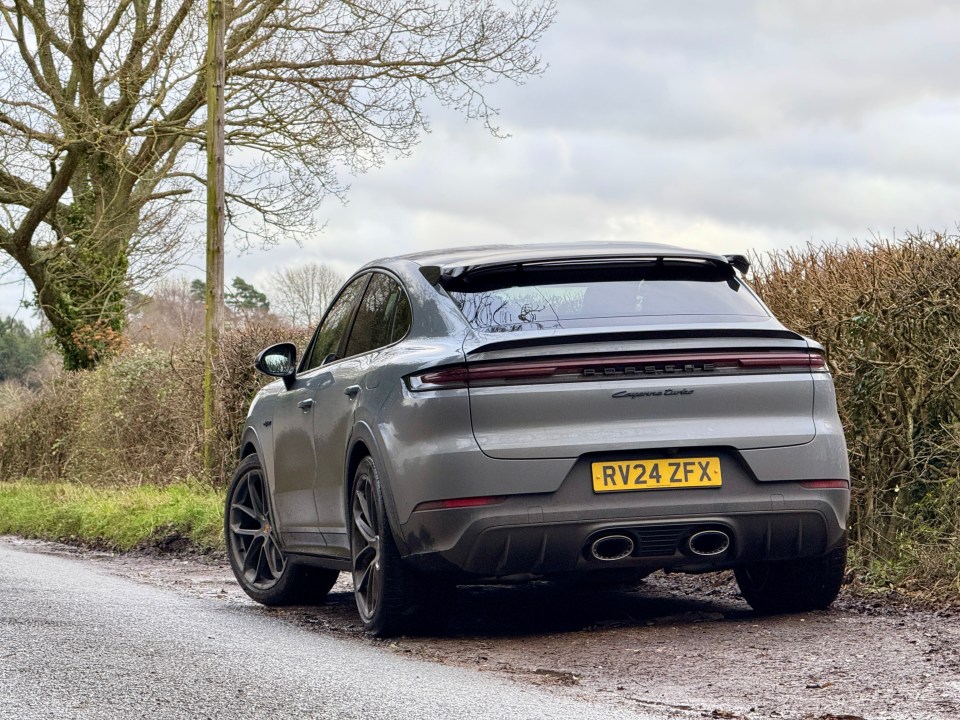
468, 502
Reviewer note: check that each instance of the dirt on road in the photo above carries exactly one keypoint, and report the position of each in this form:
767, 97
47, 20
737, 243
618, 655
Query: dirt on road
683, 646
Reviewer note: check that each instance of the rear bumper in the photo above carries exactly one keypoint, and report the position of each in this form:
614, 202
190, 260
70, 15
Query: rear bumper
548, 534
498, 551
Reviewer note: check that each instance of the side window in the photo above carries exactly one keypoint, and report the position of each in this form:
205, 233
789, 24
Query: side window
402, 319
335, 324
375, 324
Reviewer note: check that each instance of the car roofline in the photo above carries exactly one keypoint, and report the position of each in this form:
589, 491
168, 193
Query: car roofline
449, 264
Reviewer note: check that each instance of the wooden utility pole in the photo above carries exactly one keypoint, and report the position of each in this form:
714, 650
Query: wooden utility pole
213, 324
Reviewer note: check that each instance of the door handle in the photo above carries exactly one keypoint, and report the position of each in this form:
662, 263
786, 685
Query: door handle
305, 404
351, 391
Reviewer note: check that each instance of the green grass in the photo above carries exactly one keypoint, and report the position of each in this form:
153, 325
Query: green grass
120, 518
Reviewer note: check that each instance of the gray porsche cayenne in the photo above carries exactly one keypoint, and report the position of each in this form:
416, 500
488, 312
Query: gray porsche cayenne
496, 414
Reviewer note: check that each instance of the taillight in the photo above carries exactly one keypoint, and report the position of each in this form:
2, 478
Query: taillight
489, 374
813, 361
468, 502
448, 378
614, 368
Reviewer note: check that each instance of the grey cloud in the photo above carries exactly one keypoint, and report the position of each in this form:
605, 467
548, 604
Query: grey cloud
719, 69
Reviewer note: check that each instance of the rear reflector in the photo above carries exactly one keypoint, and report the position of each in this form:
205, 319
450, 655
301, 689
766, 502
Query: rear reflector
824, 484
615, 368
460, 503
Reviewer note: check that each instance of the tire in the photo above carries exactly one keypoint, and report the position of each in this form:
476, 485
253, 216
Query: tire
386, 592
793, 586
253, 546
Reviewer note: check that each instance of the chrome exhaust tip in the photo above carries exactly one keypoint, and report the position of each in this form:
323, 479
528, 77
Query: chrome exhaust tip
709, 543
612, 547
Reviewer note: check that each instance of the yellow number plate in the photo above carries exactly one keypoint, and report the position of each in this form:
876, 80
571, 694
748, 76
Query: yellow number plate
656, 474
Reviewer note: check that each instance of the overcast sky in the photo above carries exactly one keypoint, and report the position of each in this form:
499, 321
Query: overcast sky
717, 124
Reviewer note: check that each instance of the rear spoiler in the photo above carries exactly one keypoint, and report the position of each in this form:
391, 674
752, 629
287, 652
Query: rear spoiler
632, 335
447, 275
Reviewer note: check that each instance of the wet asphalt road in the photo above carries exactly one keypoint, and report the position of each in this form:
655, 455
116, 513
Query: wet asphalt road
77, 643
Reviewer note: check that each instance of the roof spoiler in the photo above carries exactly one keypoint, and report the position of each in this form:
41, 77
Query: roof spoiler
440, 273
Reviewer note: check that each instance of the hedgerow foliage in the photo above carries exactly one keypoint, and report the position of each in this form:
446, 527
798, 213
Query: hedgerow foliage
888, 314
137, 418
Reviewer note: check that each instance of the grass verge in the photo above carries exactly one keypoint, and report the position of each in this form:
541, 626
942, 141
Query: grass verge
179, 516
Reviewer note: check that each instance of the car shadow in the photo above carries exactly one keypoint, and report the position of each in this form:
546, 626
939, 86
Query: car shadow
545, 607
541, 607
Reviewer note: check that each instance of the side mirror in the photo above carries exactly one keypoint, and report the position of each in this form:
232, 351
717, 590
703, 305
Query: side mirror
280, 361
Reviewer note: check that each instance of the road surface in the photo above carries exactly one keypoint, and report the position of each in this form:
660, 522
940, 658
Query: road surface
95, 635
78, 643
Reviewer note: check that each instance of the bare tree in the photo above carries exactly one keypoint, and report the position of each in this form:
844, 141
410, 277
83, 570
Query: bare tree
300, 294
168, 316
102, 113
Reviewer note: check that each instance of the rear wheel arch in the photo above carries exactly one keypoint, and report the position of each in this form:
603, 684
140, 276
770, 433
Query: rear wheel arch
358, 451
364, 444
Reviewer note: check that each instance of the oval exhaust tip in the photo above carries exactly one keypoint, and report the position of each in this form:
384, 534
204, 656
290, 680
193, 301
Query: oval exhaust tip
612, 547
707, 543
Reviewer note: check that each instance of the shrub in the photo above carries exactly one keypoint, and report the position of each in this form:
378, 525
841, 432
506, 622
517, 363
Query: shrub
137, 418
237, 383
888, 314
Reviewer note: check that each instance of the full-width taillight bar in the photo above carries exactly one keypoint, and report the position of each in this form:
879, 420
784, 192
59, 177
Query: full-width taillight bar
598, 368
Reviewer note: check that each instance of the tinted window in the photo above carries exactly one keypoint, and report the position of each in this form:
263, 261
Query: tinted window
402, 319
375, 325
560, 302
335, 324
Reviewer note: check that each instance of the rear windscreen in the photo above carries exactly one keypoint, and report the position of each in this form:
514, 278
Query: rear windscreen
515, 303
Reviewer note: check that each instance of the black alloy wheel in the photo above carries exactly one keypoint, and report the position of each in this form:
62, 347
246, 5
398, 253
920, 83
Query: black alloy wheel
365, 547
251, 527
257, 559
792, 586
383, 587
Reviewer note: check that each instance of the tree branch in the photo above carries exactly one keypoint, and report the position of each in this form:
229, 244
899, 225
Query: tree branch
47, 200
